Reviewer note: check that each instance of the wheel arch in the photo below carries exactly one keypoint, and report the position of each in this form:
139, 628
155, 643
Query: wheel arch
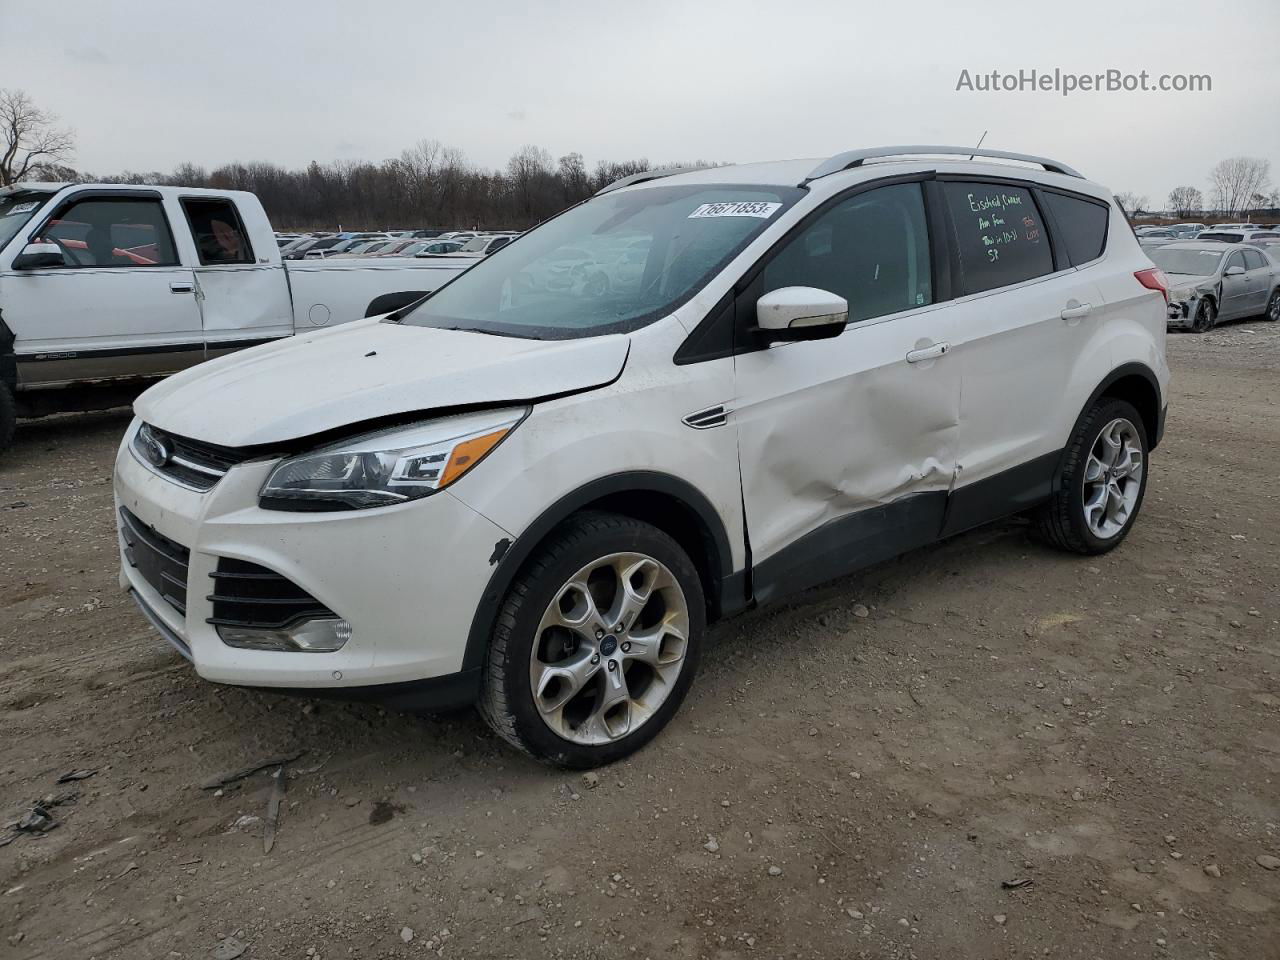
672, 505
1135, 383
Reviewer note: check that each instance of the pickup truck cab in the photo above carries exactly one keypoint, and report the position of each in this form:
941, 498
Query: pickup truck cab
106, 285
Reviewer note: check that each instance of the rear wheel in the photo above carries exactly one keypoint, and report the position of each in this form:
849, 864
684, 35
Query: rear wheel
1273, 307
596, 643
8, 417
1206, 316
1103, 481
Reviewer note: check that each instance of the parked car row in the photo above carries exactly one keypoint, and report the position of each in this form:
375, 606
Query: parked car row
400, 243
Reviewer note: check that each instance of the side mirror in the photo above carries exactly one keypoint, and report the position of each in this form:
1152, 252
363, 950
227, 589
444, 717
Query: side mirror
1234, 272
38, 256
801, 313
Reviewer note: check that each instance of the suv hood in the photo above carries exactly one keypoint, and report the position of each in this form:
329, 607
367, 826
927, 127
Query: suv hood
314, 382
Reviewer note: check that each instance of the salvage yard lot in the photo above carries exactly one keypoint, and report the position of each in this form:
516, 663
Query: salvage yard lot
872, 770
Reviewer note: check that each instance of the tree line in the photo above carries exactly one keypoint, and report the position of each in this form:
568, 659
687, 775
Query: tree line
1237, 188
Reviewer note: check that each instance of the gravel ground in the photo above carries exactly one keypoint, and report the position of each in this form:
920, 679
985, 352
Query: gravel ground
984, 749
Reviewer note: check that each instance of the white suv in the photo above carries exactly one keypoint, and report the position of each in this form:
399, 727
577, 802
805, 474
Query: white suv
692, 394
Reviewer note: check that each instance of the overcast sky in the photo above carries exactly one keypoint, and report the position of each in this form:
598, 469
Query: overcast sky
151, 83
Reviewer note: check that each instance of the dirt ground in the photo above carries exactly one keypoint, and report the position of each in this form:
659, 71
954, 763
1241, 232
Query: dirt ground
1015, 754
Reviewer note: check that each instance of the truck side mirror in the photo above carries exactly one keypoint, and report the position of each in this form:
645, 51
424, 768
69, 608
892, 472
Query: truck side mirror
39, 256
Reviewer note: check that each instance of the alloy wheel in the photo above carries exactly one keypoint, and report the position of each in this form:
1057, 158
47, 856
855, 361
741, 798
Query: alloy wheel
610, 647
1113, 478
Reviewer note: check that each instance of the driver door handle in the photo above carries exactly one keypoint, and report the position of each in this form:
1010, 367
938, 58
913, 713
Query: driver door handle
1077, 312
931, 352
181, 286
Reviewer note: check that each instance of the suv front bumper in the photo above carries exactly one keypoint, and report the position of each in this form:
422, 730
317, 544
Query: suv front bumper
408, 579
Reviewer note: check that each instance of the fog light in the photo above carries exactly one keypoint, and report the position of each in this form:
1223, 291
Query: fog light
308, 636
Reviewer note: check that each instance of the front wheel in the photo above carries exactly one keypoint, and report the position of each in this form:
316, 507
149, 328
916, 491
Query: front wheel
1103, 481
8, 417
1206, 316
596, 643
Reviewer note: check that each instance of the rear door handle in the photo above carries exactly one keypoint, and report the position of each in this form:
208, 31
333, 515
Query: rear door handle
931, 352
1077, 312
182, 287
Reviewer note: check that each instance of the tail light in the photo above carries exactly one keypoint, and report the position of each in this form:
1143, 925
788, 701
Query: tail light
1154, 279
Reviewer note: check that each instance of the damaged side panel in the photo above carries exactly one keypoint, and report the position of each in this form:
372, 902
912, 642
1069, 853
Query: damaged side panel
831, 430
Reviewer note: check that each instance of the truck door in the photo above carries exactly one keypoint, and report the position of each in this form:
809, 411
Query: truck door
120, 305
243, 291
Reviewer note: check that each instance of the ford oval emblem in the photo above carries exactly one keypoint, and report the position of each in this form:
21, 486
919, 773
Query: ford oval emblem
157, 450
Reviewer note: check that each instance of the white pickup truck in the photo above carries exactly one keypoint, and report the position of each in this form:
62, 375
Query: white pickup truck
106, 286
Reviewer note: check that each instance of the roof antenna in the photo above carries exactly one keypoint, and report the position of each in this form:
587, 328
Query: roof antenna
979, 143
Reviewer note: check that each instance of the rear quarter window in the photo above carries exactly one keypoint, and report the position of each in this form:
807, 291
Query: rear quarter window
1081, 226
999, 237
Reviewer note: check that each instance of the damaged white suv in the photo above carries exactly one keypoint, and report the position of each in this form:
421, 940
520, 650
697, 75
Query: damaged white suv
696, 392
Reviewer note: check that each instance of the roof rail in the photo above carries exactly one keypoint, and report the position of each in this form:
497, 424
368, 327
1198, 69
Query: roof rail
856, 158
645, 177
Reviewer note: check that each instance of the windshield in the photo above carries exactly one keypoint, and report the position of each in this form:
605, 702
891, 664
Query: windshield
16, 209
475, 245
609, 265
1196, 263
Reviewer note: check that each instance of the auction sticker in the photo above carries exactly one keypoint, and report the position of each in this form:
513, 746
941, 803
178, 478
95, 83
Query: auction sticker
741, 208
23, 208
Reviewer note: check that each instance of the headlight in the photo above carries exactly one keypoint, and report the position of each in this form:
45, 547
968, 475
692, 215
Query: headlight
387, 467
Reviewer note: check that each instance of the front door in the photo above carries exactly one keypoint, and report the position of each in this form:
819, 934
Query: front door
120, 305
847, 445
1236, 290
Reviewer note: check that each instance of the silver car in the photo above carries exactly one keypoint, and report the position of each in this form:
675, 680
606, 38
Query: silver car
1212, 281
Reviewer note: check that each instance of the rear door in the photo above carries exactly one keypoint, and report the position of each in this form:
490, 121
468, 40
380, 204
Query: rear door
243, 292
1023, 316
847, 445
121, 305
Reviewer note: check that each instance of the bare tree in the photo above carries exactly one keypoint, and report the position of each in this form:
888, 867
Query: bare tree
1132, 203
1235, 181
1184, 201
29, 138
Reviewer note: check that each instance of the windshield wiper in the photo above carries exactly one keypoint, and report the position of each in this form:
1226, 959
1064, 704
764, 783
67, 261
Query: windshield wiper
490, 333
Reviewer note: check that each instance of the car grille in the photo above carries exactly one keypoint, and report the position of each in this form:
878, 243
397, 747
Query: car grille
160, 561
247, 595
190, 463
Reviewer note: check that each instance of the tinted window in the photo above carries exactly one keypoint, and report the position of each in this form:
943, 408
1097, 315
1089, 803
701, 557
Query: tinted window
220, 236
998, 235
112, 232
1224, 237
1253, 260
1082, 226
872, 249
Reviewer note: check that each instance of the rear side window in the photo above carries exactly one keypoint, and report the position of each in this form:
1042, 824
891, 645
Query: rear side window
998, 234
1253, 260
1081, 225
219, 234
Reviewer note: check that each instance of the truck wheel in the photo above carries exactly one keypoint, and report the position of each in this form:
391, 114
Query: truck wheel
596, 643
1103, 482
8, 417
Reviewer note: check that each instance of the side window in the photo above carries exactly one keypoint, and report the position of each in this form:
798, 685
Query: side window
1081, 225
112, 232
872, 249
1235, 260
219, 233
998, 235
1253, 260
499, 243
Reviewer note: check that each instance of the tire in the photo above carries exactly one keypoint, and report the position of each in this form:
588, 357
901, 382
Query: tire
1272, 313
652, 675
8, 417
1206, 316
1071, 519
